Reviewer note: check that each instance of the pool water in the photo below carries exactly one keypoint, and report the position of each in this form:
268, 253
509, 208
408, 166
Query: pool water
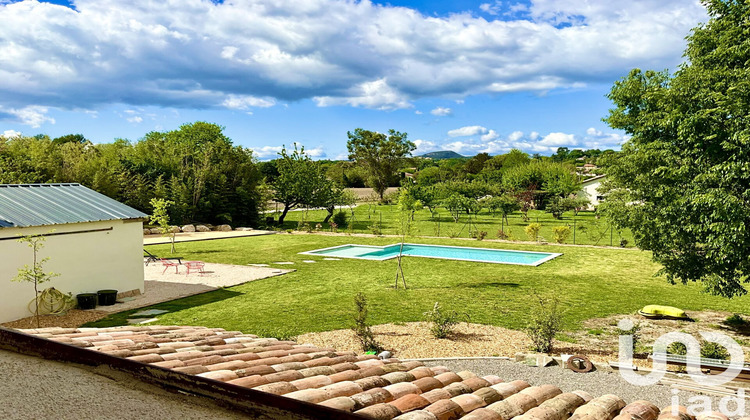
462, 253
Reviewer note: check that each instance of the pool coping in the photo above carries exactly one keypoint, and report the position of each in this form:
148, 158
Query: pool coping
550, 255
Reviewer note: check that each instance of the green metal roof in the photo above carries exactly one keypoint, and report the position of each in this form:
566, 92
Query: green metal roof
24, 205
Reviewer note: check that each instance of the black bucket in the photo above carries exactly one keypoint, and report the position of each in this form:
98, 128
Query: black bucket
86, 300
107, 297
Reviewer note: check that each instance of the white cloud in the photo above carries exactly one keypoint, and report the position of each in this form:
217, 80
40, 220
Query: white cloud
9, 134
418, 112
136, 119
316, 152
424, 146
441, 112
376, 94
559, 140
267, 152
272, 152
206, 54
515, 135
33, 115
471, 130
491, 135
244, 102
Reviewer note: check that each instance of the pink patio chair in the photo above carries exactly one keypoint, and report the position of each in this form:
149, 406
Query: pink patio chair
195, 266
168, 263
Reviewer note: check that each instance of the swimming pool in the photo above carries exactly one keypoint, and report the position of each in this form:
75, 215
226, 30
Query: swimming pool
462, 253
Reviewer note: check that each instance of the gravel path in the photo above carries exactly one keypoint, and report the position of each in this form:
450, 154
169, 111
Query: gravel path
596, 383
34, 388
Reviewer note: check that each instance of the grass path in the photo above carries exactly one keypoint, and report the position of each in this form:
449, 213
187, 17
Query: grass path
590, 282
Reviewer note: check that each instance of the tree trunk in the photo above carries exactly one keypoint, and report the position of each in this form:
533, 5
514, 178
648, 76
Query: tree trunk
283, 213
330, 214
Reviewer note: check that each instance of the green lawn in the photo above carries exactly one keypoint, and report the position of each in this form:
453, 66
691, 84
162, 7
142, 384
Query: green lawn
590, 282
588, 229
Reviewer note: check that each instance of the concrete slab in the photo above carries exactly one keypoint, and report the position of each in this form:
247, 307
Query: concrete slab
149, 312
170, 285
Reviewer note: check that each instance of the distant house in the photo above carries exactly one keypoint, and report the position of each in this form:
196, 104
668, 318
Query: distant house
590, 189
96, 242
588, 167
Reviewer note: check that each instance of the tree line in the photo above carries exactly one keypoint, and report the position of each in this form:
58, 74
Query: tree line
196, 167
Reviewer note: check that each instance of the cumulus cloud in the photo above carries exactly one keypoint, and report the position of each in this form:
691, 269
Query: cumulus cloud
491, 135
245, 54
244, 102
424, 146
441, 112
267, 152
272, 152
9, 134
559, 140
33, 115
471, 130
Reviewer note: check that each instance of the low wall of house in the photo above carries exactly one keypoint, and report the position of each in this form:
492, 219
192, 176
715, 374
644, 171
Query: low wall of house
87, 256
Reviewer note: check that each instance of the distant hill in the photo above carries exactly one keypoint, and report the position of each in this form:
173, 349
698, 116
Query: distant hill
444, 154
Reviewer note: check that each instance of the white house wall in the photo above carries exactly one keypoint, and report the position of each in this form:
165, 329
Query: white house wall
591, 191
86, 262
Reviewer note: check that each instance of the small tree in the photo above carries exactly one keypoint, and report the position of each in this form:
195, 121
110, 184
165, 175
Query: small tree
361, 326
544, 323
160, 217
35, 274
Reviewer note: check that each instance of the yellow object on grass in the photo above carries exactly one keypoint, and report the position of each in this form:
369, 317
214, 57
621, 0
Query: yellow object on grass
661, 311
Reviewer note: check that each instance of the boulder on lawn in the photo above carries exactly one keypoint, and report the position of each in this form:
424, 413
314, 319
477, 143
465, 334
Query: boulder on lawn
146, 231
224, 228
202, 228
243, 229
155, 231
188, 228
174, 229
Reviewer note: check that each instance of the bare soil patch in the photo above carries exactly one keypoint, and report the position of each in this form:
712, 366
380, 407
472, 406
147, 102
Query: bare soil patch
73, 319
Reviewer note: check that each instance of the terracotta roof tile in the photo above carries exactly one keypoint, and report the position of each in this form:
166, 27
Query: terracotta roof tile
362, 384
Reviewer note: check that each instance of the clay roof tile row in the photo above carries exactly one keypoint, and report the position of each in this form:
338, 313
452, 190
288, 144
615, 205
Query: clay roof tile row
361, 384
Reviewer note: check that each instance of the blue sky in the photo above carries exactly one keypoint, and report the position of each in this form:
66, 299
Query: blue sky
468, 76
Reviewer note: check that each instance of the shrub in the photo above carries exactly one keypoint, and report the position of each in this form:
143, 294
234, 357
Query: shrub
375, 229
561, 233
532, 231
443, 322
361, 327
735, 321
334, 226
544, 323
340, 218
634, 332
709, 350
623, 242
501, 234
481, 235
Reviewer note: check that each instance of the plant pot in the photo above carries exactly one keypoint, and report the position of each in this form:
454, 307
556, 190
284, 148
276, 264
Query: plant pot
107, 297
86, 300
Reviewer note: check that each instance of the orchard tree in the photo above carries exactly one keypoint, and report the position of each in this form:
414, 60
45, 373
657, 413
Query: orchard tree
380, 154
302, 182
682, 183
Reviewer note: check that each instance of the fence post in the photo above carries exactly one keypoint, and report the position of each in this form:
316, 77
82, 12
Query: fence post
574, 229
611, 233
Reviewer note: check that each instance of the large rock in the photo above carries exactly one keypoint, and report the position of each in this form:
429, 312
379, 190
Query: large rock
243, 229
155, 231
224, 228
146, 231
174, 229
202, 228
188, 228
